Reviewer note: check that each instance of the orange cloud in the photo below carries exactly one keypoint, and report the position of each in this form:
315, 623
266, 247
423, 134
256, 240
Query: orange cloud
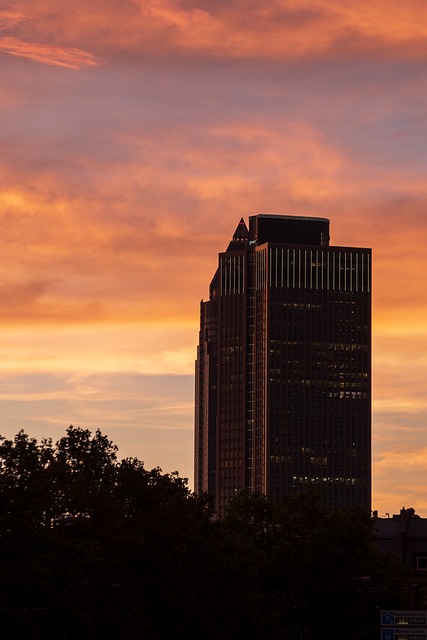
55, 55
400, 479
285, 30
91, 229
173, 12
10, 18
238, 29
152, 348
243, 29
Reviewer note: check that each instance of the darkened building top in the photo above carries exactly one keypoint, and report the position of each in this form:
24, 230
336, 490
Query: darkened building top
293, 230
403, 527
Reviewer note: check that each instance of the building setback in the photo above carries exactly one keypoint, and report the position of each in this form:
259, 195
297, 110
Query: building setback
283, 370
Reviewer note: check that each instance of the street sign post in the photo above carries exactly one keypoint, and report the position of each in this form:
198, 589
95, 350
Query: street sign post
403, 625
406, 618
402, 633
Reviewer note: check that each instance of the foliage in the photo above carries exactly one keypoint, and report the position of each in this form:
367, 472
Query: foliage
319, 572
91, 546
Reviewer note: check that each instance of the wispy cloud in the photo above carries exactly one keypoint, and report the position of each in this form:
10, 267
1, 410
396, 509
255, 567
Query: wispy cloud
248, 29
233, 29
400, 478
172, 12
10, 17
56, 55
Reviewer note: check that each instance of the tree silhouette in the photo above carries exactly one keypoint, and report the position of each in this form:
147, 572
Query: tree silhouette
92, 546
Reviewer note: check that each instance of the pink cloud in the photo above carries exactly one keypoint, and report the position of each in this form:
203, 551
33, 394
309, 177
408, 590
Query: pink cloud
55, 55
236, 29
10, 18
172, 12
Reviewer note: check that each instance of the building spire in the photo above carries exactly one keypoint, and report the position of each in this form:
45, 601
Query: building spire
240, 237
241, 232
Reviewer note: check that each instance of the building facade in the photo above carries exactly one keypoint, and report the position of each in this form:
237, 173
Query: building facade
283, 370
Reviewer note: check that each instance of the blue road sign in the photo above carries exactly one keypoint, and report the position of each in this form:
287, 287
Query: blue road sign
403, 633
404, 618
387, 618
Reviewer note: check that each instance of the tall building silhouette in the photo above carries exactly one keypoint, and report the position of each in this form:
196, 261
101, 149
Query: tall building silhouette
283, 370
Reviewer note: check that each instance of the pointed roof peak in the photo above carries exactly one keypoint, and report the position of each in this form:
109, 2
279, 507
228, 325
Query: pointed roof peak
241, 231
240, 237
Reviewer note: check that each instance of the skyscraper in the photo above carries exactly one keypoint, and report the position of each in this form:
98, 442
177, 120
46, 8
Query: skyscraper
283, 370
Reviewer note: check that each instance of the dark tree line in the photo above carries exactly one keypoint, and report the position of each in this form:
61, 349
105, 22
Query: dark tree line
92, 546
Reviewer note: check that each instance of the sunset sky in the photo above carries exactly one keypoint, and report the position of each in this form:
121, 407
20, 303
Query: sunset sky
135, 134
